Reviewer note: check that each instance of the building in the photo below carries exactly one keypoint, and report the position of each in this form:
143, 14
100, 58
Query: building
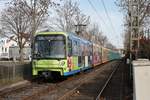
10, 50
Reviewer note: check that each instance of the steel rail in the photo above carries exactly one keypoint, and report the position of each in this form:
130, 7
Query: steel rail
108, 80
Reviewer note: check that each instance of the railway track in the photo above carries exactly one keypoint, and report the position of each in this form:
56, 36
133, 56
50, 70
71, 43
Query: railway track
63, 90
34, 89
106, 83
89, 90
27, 91
119, 85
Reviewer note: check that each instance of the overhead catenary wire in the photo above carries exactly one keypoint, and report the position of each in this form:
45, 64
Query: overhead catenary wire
109, 18
98, 15
106, 12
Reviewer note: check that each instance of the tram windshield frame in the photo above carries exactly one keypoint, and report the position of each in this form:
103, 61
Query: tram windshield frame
49, 47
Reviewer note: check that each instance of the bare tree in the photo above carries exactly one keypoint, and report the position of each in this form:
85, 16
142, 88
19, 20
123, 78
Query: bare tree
22, 18
93, 29
68, 15
95, 34
110, 46
144, 13
103, 40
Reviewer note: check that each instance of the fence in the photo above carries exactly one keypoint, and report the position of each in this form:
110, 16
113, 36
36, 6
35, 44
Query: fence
11, 72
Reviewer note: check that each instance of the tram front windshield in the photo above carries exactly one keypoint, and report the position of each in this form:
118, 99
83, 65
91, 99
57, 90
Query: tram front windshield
49, 46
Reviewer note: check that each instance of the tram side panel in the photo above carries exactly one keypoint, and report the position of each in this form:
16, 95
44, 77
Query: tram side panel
97, 57
105, 55
113, 55
79, 55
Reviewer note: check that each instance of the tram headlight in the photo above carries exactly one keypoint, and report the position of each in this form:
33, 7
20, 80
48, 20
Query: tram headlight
62, 63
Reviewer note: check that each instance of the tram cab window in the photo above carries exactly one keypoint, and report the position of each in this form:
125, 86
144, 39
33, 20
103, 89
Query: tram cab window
49, 46
69, 47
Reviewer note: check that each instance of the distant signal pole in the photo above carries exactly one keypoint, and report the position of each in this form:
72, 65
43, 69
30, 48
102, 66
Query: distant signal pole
134, 28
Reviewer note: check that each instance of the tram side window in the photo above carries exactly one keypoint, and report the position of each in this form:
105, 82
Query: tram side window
75, 48
69, 47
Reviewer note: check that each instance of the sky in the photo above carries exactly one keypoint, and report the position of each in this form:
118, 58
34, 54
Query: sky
2, 4
114, 35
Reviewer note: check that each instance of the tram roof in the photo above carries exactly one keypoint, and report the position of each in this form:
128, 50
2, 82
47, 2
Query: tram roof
70, 34
55, 32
